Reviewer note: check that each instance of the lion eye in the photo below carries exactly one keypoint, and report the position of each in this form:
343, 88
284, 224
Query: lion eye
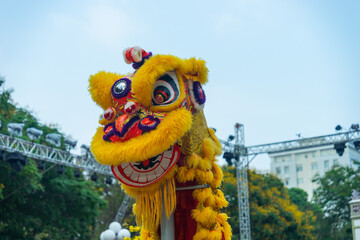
166, 89
121, 88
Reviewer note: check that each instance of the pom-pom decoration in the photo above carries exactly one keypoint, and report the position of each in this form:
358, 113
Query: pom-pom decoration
115, 227
108, 235
133, 54
122, 234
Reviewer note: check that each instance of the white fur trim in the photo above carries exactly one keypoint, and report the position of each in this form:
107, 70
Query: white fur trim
136, 53
124, 55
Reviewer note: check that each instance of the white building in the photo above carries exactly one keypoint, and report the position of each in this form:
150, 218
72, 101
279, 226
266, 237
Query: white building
297, 168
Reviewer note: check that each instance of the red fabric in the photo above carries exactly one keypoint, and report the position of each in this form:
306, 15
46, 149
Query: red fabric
185, 225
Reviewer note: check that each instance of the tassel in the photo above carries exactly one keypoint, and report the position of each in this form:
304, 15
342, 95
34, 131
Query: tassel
149, 205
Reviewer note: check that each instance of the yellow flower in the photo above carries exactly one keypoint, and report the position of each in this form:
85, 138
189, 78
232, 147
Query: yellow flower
2, 186
91, 227
134, 229
100, 189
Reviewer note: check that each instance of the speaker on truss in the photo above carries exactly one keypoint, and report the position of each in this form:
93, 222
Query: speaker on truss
340, 148
60, 170
41, 165
17, 160
357, 145
108, 180
77, 173
228, 156
2, 155
34, 133
69, 143
94, 177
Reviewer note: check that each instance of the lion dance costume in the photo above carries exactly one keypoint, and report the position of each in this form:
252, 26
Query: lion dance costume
155, 138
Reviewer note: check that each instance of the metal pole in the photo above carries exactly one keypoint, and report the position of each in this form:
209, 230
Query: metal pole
242, 182
167, 226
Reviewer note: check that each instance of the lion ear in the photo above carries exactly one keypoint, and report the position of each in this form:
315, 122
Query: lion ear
197, 94
196, 73
100, 87
195, 69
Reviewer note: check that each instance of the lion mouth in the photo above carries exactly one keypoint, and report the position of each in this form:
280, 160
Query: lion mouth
141, 174
127, 127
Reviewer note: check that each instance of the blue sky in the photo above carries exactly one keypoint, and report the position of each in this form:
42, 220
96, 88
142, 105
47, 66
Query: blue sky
278, 67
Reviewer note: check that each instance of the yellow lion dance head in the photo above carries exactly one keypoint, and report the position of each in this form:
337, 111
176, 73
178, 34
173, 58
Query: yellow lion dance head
155, 138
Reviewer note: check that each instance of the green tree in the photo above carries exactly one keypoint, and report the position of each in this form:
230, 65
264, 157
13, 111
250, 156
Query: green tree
6, 107
47, 205
299, 197
333, 195
272, 214
114, 195
38, 204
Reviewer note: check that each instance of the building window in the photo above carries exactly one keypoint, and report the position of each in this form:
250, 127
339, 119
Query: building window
306, 156
299, 168
326, 152
314, 166
300, 181
313, 154
286, 169
335, 162
287, 181
326, 164
278, 170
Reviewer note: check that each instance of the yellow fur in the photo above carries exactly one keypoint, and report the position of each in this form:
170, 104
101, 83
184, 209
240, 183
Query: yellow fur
100, 85
145, 146
201, 234
220, 200
196, 67
206, 216
218, 176
185, 174
217, 147
147, 75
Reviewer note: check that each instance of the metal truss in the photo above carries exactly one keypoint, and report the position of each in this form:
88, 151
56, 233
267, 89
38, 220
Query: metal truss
304, 143
49, 154
297, 144
241, 153
86, 162
242, 183
122, 209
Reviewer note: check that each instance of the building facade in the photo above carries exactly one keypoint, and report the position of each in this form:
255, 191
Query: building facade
297, 168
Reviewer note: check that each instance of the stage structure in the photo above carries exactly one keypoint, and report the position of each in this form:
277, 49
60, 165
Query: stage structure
53, 155
239, 155
235, 152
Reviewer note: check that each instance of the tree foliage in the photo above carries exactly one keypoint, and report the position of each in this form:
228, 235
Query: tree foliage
37, 204
334, 195
272, 214
46, 205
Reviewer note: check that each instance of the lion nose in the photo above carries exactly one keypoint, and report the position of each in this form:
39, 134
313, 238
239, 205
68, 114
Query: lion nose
130, 108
